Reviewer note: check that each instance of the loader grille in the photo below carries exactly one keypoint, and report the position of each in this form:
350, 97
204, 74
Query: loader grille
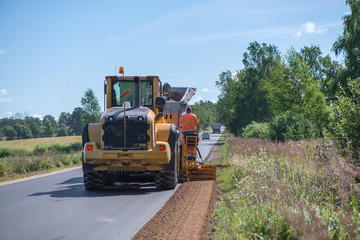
136, 135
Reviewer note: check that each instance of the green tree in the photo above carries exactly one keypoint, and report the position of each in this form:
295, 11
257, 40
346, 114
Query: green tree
206, 113
35, 129
75, 123
64, 120
345, 120
244, 101
295, 98
48, 130
29, 120
225, 104
323, 70
348, 43
23, 132
52, 121
9, 132
35, 125
91, 108
62, 132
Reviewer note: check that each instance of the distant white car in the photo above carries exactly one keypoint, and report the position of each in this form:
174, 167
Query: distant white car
205, 135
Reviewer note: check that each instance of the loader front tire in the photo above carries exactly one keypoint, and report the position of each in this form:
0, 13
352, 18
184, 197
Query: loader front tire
94, 180
166, 180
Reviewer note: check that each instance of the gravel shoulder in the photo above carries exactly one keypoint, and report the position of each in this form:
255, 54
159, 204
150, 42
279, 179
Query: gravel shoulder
188, 212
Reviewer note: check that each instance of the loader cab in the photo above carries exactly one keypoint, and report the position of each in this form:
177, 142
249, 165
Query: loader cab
115, 86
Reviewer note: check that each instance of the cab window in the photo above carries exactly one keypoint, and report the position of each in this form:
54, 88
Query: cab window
119, 87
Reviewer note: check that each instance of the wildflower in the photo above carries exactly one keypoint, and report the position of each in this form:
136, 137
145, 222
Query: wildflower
241, 193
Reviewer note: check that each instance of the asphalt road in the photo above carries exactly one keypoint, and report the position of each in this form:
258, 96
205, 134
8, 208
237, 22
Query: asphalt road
57, 207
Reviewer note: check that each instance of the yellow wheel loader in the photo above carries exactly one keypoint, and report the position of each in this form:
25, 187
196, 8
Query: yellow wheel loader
139, 133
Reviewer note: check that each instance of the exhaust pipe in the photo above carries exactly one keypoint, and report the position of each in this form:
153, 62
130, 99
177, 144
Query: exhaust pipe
136, 99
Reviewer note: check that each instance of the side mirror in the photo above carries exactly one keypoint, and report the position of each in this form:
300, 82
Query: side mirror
160, 101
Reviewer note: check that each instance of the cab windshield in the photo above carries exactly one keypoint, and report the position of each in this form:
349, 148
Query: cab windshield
119, 87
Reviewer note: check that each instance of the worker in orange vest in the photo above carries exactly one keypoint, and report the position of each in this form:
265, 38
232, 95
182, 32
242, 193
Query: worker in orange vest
188, 123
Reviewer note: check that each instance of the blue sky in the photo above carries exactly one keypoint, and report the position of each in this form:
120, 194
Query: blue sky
51, 52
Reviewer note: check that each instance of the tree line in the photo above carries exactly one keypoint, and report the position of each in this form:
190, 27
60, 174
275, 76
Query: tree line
206, 112
297, 95
68, 124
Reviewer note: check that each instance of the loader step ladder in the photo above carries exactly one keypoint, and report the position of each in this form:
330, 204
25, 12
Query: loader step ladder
192, 168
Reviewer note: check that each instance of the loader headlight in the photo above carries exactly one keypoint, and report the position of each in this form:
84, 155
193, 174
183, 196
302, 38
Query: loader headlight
140, 118
111, 118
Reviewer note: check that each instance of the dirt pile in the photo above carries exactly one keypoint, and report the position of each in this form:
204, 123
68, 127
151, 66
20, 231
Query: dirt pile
185, 215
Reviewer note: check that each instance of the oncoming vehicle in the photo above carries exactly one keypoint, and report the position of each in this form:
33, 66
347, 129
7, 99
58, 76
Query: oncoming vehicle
216, 127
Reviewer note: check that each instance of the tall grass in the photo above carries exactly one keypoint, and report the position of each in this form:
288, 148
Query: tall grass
16, 166
290, 190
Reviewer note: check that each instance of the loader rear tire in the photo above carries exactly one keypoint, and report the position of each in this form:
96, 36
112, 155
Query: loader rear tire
94, 180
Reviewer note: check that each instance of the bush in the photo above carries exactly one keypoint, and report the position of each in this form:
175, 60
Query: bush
57, 148
73, 147
302, 128
258, 130
279, 126
5, 152
40, 149
295, 127
76, 146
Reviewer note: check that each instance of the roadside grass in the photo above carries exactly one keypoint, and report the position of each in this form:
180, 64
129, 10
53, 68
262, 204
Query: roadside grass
18, 162
29, 144
291, 190
23, 166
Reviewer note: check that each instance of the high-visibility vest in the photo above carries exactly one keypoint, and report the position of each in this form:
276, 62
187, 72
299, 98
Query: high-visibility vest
188, 122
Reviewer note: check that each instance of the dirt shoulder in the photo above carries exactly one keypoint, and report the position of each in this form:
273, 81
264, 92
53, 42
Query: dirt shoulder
186, 215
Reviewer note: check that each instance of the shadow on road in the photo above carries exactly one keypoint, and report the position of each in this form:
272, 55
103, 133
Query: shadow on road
76, 188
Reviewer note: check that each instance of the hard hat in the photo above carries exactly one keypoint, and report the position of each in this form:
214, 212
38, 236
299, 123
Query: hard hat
188, 109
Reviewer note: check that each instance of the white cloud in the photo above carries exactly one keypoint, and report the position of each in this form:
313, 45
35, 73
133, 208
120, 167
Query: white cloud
3, 97
309, 28
213, 101
37, 116
205, 90
7, 114
2, 51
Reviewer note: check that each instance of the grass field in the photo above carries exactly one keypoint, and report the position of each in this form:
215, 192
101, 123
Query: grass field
20, 158
29, 144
